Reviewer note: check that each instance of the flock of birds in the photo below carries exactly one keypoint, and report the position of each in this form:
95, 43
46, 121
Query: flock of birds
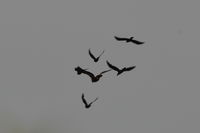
96, 78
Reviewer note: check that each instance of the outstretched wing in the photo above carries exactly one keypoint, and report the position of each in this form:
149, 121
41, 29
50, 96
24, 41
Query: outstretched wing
137, 42
83, 99
94, 100
120, 39
129, 68
105, 71
100, 54
78, 68
112, 67
91, 55
91, 75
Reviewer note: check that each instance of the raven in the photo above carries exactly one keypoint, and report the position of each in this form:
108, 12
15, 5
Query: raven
129, 40
96, 59
91, 75
97, 77
119, 71
87, 106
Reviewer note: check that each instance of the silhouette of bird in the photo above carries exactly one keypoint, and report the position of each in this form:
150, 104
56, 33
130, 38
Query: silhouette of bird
79, 70
87, 106
96, 59
92, 76
129, 40
119, 71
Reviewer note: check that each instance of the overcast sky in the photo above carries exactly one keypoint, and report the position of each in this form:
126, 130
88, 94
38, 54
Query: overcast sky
42, 41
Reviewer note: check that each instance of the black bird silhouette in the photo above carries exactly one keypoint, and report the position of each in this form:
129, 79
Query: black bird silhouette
79, 70
129, 40
92, 76
96, 59
87, 106
119, 71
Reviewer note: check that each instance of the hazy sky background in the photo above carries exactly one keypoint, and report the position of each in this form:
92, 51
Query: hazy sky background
42, 41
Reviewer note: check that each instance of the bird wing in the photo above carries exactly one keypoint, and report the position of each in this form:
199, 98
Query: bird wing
100, 54
91, 75
120, 39
129, 68
83, 99
105, 71
91, 55
112, 67
94, 100
137, 42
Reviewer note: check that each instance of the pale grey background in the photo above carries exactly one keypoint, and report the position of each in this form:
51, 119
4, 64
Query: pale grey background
41, 41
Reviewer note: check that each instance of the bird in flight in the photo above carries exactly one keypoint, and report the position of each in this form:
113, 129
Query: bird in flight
79, 70
91, 75
120, 71
97, 77
96, 59
87, 106
129, 40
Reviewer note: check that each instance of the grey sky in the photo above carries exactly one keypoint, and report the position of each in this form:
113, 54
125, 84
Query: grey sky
41, 42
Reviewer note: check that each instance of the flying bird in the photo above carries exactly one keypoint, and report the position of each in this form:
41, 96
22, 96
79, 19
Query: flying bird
129, 40
120, 71
96, 59
92, 76
87, 106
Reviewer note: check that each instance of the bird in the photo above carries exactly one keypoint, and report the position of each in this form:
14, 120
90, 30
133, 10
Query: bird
96, 59
87, 106
119, 71
92, 76
79, 70
129, 40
